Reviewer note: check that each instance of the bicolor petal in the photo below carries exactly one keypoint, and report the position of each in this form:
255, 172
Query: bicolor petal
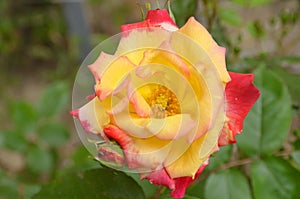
154, 18
93, 116
183, 182
241, 95
159, 177
140, 153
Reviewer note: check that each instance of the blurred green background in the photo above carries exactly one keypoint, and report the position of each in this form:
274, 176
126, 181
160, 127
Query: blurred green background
40, 55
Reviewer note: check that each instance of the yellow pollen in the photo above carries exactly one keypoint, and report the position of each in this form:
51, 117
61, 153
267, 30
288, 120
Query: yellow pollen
166, 100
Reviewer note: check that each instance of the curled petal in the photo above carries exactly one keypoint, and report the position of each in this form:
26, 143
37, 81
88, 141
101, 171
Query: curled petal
140, 105
165, 55
241, 95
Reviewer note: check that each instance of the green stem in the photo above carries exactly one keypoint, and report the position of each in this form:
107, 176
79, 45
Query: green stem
159, 191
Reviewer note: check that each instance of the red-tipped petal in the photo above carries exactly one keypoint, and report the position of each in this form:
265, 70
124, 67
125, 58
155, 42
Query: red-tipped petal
160, 177
155, 18
117, 134
143, 24
183, 182
74, 113
241, 95
161, 18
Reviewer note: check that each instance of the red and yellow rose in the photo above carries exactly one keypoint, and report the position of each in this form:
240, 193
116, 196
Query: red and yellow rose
167, 99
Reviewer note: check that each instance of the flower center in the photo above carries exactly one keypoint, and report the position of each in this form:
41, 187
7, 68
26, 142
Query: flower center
163, 102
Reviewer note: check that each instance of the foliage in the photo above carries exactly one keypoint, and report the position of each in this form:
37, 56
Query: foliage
91, 184
36, 136
265, 162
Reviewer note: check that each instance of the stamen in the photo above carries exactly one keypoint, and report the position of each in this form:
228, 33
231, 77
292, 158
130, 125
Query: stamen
164, 101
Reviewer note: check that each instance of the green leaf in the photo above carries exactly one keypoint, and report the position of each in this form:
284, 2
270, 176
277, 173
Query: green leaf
101, 183
14, 140
166, 195
290, 80
23, 116
240, 2
296, 144
267, 124
220, 157
54, 134
30, 190
148, 188
8, 188
39, 160
251, 2
230, 16
2, 141
171, 12
296, 157
256, 29
228, 184
82, 160
274, 178
197, 188
54, 99
259, 2
182, 10
190, 197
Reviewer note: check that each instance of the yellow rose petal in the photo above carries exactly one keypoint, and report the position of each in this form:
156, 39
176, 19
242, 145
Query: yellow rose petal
93, 115
176, 164
199, 34
113, 76
171, 127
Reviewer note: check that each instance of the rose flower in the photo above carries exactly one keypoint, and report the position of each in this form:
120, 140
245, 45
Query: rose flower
166, 98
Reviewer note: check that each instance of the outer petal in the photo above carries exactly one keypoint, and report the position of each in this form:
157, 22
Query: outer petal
161, 18
101, 63
93, 115
133, 26
177, 185
183, 182
196, 154
112, 77
140, 153
204, 78
160, 177
150, 33
198, 33
179, 167
155, 18
241, 94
